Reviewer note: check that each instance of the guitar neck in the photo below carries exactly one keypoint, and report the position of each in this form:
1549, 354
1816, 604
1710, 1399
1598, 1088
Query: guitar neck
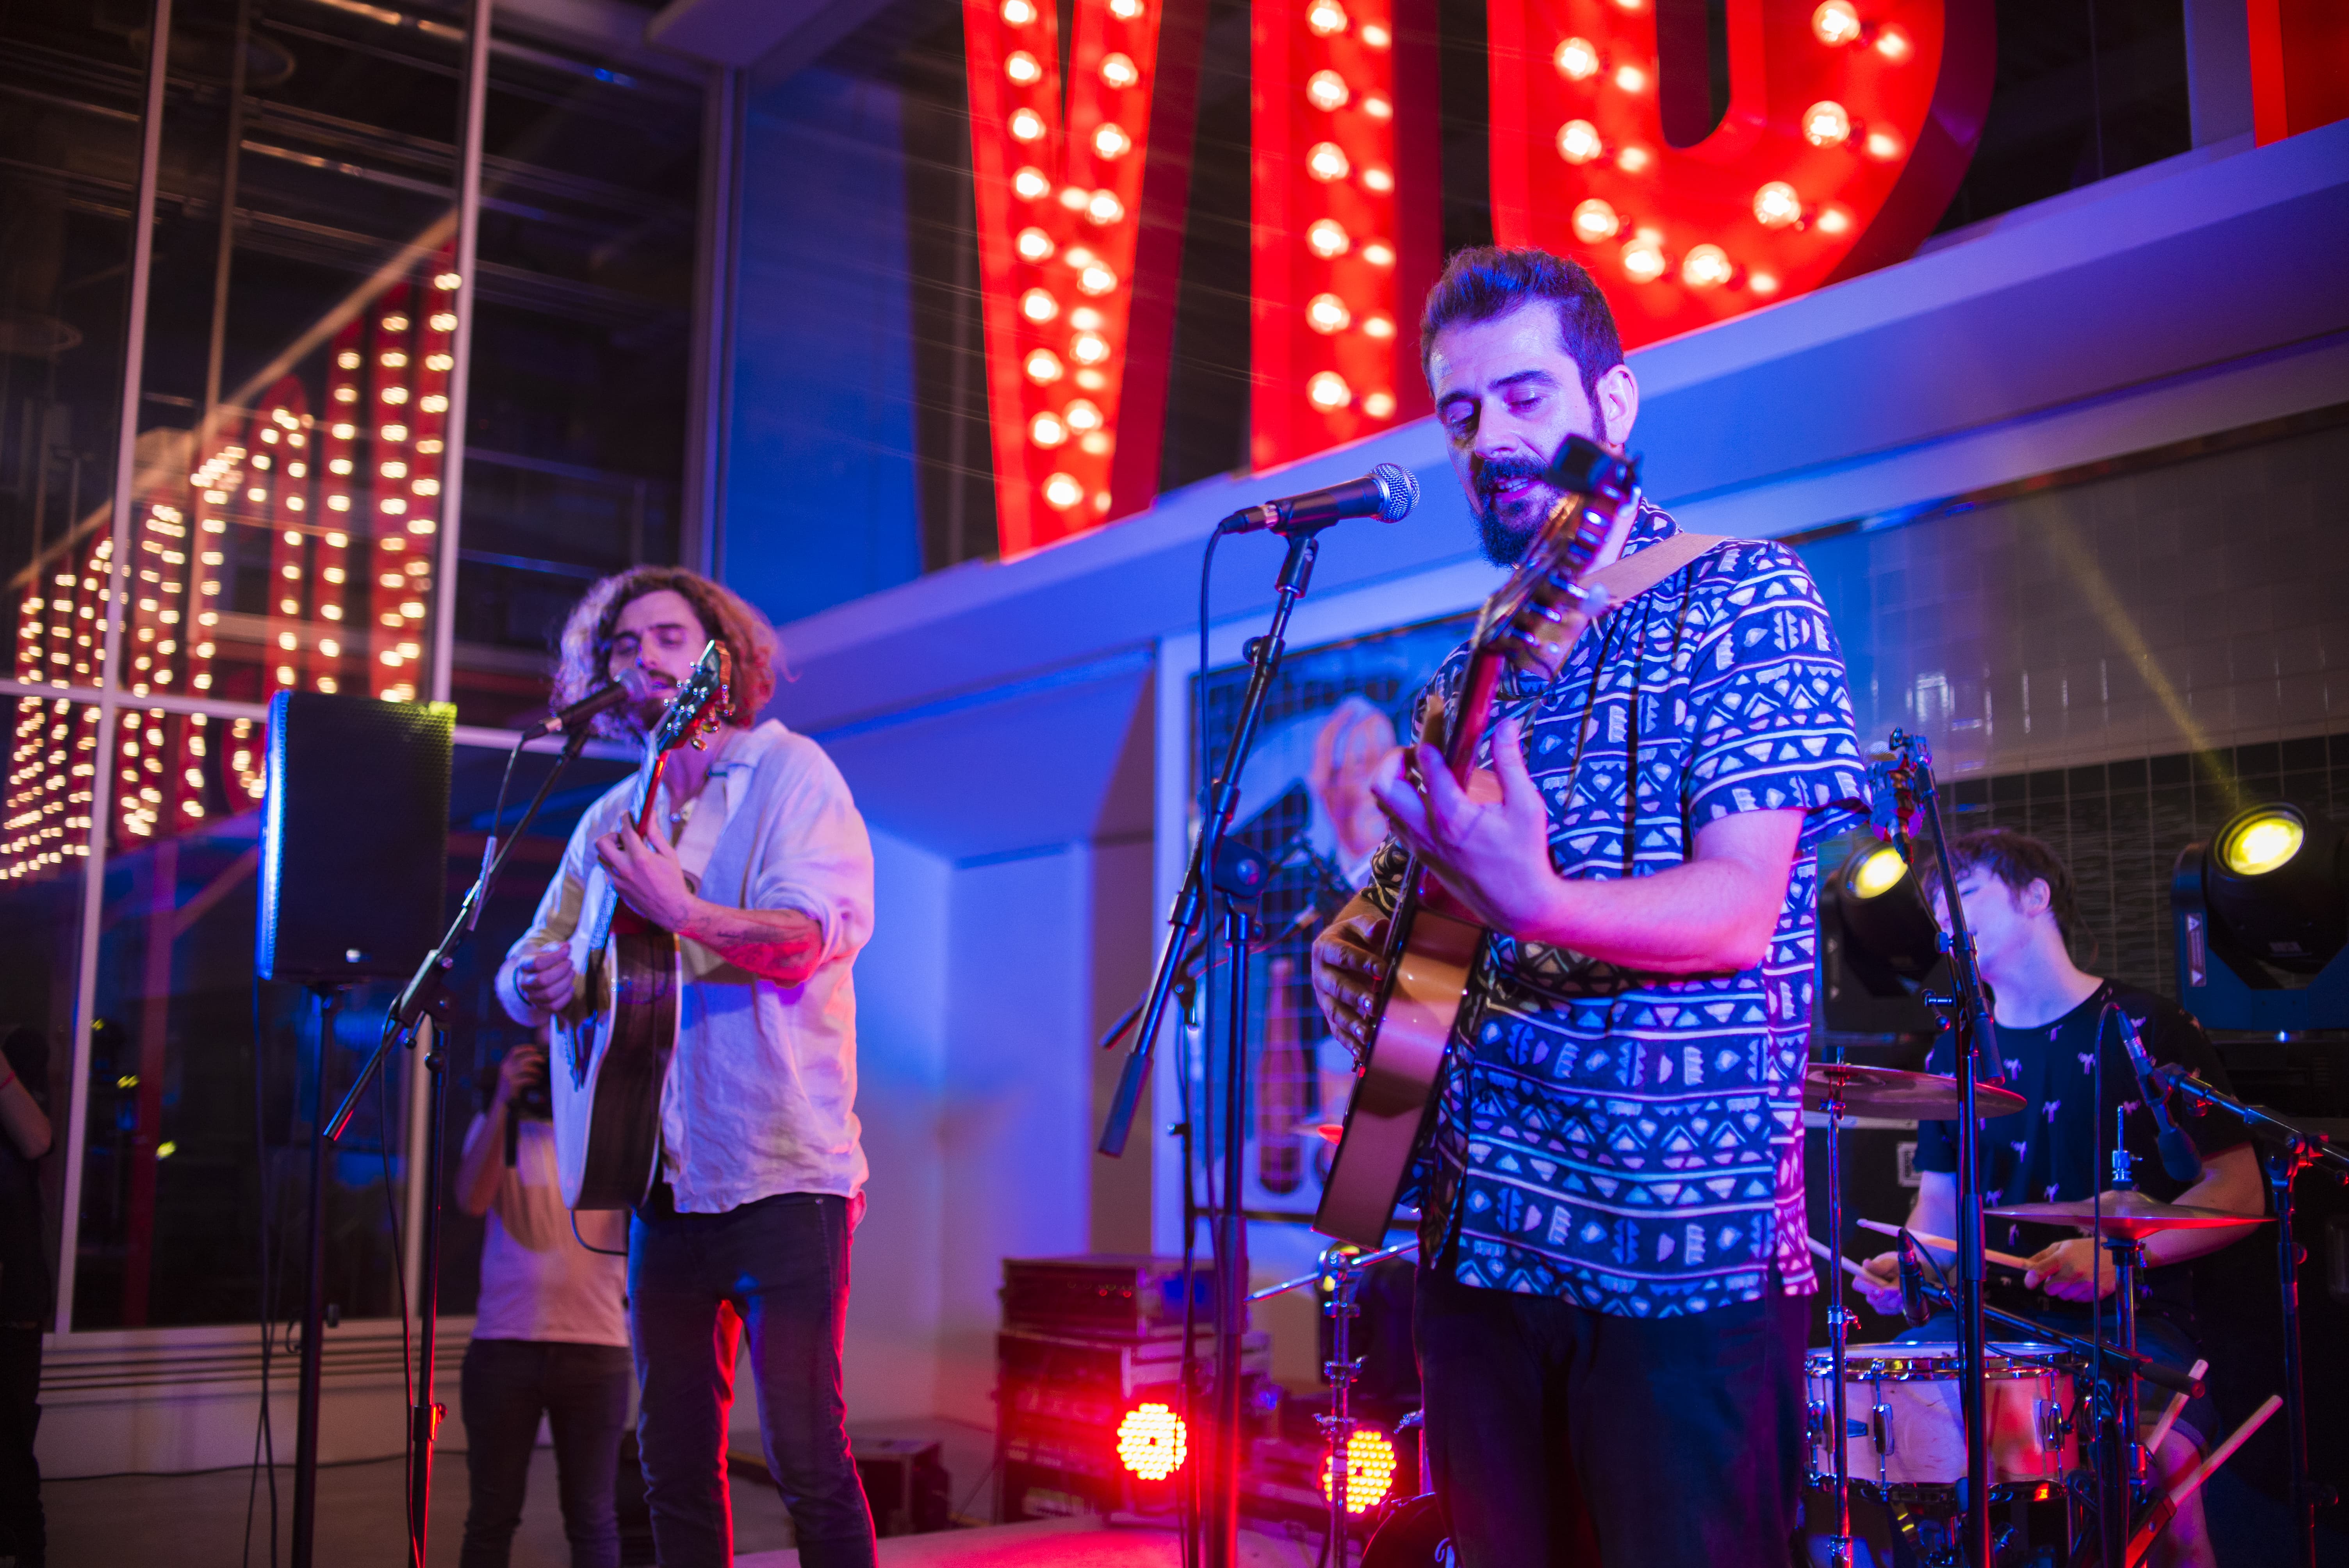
643, 815
1472, 713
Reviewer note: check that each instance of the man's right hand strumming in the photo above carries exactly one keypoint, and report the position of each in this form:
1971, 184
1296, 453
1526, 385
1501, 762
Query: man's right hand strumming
546, 980
1346, 972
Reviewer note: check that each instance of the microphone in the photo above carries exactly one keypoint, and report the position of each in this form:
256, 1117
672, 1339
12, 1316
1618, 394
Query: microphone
1387, 492
2178, 1155
629, 687
1913, 1310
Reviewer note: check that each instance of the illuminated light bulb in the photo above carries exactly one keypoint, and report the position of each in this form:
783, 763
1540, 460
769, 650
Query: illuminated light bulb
1577, 141
1064, 491
344, 432
1328, 392
1326, 313
1083, 415
1125, 10
395, 360
395, 322
1894, 45
1327, 91
1882, 146
1119, 71
1631, 160
440, 361
339, 466
1375, 35
1074, 198
347, 394
1110, 141
1085, 318
1643, 261
1381, 326
1376, 106
446, 282
1030, 183
1777, 205
1046, 430
1378, 404
1326, 19
1834, 220
1577, 60
1021, 67
1027, 125
293, 536
1378, 182
1018, 13
1706, 267
395, 432
1835, 22
1379, 254
1630, 79
1088, 348
1824, 124
1034, 246
443, 321
1327, 161
1103, 207
1627, 5
1595, 221
349, 359
1327, 238
1096, 279
1044, 366
1078, 256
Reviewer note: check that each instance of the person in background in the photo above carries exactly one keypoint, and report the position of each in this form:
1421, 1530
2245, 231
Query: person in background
552, 1333
24, 1291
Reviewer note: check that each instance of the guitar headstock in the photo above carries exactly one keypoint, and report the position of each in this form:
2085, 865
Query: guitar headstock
699, 710
1531, 616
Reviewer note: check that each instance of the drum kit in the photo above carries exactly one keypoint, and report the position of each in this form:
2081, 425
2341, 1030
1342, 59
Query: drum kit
1908, 1453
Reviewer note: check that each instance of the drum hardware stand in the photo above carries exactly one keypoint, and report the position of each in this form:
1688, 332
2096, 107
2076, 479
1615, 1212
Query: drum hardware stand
2121, 1470
2286, 1150
1344, 1267
1838, 1333
1966, 1013
422, 1008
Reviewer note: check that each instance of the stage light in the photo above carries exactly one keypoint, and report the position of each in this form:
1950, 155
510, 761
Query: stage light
1152, 1441
2268, 893
1577, 60
1876, 871
1777, 205
1370, 1470
1326, 90
1577, 141
1836, 22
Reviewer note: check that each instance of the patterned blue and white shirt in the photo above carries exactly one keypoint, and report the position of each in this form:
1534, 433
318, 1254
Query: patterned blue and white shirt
1631, 1141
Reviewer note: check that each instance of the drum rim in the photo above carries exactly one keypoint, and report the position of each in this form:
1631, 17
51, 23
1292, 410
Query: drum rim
1936, 1359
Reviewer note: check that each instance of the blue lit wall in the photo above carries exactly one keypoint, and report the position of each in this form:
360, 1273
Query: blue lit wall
820, 505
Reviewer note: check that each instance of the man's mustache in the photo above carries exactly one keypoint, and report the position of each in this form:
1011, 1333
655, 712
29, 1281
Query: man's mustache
1500, 471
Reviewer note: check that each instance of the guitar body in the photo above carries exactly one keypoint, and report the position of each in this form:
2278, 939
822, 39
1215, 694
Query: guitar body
609, 1064
1433, 942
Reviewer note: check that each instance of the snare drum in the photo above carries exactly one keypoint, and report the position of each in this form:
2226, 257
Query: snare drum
1906, 1421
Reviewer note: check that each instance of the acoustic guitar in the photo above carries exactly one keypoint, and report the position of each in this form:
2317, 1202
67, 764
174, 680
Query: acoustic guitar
1433, 940
612, 1045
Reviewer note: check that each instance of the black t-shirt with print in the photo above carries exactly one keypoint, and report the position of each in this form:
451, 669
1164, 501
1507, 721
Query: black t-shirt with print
2055, 1150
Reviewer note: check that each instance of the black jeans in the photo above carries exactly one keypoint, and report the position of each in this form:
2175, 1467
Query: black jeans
779, 1268
22, 1527
583, 1389
1561, 1436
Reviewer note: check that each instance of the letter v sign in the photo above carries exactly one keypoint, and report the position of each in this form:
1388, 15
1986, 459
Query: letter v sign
1080, 197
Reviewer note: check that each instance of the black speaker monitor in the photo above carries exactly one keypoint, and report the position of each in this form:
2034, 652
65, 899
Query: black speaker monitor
353, 839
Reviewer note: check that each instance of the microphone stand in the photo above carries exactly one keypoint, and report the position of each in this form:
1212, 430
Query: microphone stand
1207, 871
1968, 1015
425, 1000
2287, 1150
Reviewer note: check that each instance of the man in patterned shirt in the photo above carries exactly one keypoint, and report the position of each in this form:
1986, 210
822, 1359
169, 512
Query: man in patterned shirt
1610, 1312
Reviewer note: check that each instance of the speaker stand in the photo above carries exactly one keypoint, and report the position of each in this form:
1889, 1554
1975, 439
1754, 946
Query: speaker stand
329, 1000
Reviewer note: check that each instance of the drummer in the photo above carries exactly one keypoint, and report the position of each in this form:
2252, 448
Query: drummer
2054, 1027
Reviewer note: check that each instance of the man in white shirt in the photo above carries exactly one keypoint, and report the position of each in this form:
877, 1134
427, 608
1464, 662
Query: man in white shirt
759, 862
550, 1336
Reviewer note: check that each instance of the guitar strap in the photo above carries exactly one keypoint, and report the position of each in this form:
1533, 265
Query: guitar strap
1628, 579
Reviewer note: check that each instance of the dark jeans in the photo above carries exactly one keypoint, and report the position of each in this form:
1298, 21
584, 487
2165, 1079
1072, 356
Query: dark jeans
583, 1390
22, 1527
777, 1267
1561, 1436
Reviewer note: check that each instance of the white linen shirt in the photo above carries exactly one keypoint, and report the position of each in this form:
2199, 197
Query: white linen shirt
761, 1092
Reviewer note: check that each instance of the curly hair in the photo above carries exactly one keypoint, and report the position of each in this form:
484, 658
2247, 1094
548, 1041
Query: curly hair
585, 660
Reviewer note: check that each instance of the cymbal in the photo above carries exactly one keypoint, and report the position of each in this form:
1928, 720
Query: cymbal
1888, 1091
2128, 1213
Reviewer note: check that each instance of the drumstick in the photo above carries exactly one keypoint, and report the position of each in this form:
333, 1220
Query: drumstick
2163, 1511
1820, 1250
1991, 1254
2170, 1416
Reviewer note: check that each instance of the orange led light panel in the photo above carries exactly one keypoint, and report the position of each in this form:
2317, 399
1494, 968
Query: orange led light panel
1370, 1471
1344, 230
1152, 1441
1848, 126
1063, 174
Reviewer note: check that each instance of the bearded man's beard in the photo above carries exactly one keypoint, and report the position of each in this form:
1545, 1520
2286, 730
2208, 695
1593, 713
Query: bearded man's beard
1503, 542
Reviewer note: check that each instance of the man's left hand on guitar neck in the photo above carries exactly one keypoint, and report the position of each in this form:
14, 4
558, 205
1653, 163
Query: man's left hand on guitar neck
1712, 914
779, 944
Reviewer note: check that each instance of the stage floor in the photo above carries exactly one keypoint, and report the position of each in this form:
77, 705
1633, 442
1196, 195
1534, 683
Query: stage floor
1058, 1544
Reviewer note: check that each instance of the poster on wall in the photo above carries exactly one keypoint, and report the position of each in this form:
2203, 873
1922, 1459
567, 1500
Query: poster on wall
1331, 714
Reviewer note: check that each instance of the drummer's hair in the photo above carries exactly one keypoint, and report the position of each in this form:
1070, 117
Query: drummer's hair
584, 652
2018, 859
1485, 282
